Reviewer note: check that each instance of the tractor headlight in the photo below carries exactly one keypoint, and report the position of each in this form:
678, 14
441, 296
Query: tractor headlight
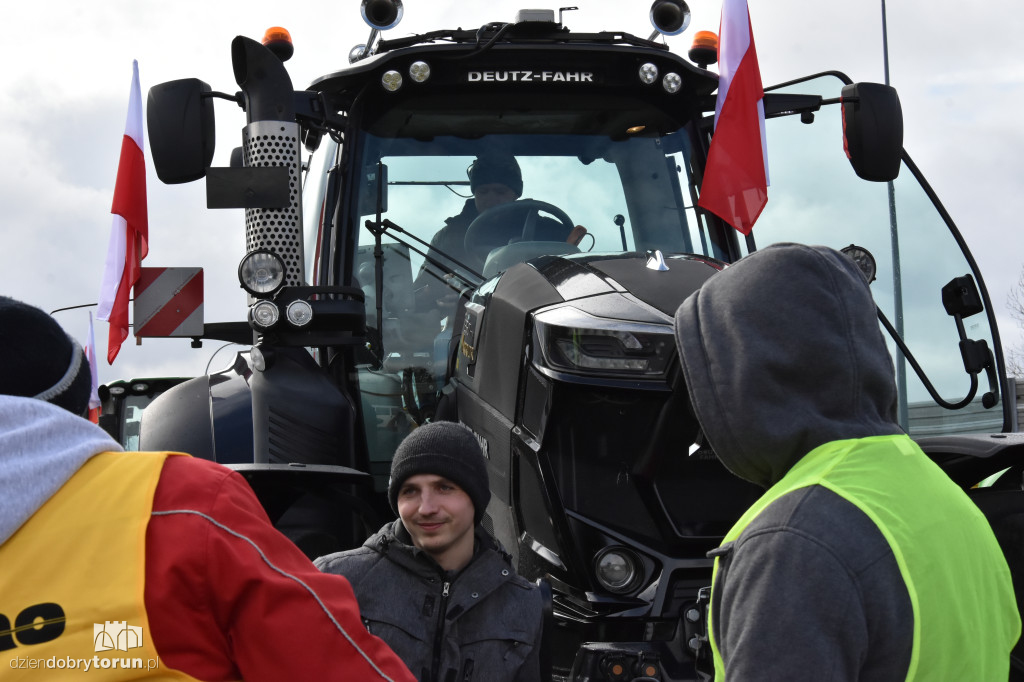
648, 73
570, 340
264, 314
299, 313
419, 72
261, 272
617, 569
672, 82
391, 80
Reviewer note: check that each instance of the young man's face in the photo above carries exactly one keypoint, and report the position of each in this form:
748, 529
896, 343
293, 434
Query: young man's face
439, 516
491, 195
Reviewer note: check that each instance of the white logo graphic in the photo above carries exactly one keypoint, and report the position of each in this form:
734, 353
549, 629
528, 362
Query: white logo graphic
116, 635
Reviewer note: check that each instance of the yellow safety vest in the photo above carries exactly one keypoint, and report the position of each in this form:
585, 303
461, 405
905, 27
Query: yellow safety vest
73, 577
880, 475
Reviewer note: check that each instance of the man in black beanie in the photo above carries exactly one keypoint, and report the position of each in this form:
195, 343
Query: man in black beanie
177, 549
434, 584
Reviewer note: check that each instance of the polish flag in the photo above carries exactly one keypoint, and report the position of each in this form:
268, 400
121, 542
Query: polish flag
129, 231
94, 395
735, 186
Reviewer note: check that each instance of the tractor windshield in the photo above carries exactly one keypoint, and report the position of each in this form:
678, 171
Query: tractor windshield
626, 193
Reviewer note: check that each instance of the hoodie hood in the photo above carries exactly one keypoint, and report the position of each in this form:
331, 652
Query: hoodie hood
41, 447
781, 353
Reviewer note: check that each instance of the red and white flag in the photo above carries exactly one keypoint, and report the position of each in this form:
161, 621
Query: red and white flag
129, 231
94, 395
735, 186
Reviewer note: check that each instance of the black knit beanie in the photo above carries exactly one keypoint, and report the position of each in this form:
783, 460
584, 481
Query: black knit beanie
446, 449
39, 360
503, 170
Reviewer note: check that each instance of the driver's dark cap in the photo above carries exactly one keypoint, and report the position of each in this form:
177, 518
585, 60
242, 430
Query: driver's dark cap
502, 170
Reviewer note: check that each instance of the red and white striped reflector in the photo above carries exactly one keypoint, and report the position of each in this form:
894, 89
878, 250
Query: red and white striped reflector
169, 302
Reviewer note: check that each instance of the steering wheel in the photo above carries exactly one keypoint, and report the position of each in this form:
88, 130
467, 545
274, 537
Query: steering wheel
516, 220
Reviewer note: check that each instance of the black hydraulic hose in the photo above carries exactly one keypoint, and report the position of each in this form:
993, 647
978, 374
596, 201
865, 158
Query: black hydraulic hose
502, 29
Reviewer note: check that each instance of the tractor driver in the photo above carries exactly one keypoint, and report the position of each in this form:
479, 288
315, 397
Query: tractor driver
494, 180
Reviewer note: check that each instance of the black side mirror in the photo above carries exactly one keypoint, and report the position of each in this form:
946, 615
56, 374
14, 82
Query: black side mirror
873, 130
181, 127
961, 299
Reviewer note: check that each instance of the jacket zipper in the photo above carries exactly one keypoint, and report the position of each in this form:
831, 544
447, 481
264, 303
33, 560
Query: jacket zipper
439, 635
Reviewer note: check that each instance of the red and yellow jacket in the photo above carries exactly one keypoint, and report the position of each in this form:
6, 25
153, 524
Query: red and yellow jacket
151, 566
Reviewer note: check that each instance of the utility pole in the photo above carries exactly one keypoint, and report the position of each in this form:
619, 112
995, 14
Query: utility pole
897, 277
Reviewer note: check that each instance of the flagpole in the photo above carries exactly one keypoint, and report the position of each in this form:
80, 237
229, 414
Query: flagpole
897, 275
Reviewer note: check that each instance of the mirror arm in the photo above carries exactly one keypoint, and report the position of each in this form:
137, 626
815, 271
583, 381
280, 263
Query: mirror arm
920, 372
236, 98
311, 111
309, 108
783, 104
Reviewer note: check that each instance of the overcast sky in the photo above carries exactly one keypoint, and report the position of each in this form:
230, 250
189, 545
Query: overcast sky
64, 94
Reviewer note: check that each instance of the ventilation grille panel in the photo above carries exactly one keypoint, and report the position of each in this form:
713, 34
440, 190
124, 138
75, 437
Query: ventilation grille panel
276, 143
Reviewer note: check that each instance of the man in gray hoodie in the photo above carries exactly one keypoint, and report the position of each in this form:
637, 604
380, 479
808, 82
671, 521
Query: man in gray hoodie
434, 584
862, 561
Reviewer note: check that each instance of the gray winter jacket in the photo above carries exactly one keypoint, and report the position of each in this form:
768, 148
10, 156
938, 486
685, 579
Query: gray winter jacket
483, 623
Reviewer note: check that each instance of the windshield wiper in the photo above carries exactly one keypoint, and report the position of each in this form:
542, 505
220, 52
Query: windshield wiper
386, 226
381, 227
